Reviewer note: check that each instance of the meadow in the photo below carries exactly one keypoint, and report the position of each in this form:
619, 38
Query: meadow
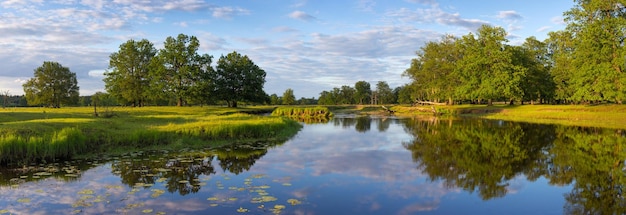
36, 134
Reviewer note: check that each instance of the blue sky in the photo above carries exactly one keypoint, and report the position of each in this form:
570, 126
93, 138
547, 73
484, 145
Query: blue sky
306, 45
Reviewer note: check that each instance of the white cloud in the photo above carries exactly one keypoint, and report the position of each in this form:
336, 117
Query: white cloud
509, 15
228, 12
181, 24
434, 15
429, 2
559, 20
301, 16
96, 73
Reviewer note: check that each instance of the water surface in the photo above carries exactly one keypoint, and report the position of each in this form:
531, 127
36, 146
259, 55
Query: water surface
349, 165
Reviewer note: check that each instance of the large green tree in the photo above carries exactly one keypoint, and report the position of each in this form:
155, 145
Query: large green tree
598, 56
384, 93
538, 86
486, 70
560, 48
237, 78
53, 85
434, 70
362, 92
128, 77
180, 72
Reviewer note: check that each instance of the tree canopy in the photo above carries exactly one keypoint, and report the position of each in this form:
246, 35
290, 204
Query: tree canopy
237, 78
53, 85
181, 72
582, 64
129, 75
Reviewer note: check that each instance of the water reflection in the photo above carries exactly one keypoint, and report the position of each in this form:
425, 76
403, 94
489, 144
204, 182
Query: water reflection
484, 156
351, 165
181, 171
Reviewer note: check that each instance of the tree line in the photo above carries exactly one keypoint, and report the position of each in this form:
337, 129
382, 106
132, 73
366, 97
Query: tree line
583, 63
139, 74
361, 93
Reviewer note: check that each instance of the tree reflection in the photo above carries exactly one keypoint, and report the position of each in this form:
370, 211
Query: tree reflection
181, 171
594, 159
483, 156
476, 155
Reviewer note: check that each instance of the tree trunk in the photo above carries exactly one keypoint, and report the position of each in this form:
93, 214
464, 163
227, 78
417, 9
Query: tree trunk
179, 103
234, 104
489, 102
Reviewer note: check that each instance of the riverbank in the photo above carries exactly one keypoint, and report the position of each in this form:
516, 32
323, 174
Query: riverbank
606, 116
31, 134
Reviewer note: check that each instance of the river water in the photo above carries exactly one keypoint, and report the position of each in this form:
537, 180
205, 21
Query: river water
349, 165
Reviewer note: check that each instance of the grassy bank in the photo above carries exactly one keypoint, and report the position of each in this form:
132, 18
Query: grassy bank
28, 134
607, 116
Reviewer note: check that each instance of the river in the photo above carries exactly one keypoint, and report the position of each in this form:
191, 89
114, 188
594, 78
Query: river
349, 165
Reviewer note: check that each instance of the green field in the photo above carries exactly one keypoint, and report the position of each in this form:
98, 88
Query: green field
30, 134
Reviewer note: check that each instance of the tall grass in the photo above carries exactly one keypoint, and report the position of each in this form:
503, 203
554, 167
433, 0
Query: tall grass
32, 134
303, 112
61, 144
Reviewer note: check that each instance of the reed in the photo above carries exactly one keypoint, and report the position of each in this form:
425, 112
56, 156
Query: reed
303, 112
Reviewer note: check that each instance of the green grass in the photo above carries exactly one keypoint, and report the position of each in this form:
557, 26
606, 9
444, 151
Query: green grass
606, 116
303, 112
31, 134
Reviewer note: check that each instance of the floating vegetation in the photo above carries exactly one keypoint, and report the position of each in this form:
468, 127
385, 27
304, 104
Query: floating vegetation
286, 184
86, 192
213, 205
232, 199
156, 193
294, 201
212, 198
23, 200
147, 211
183, 181
242, 210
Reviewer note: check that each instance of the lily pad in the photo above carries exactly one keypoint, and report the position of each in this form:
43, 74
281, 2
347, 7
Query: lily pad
86, 192
294, 201
242, 210
147, 211
23, 200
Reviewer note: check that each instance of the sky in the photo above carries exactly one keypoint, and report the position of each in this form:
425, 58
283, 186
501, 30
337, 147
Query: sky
306, 45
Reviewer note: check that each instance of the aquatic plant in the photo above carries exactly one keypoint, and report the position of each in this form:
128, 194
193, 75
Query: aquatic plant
303, 113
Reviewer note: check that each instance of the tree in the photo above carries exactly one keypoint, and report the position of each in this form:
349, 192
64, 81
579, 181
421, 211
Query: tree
598, 56
52, 85
363, 91
179, 71
486, 70
560, 47
538, 84
288, 97
434, 70
346, 95
384, 93
275, 100
128, 79
237, 78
